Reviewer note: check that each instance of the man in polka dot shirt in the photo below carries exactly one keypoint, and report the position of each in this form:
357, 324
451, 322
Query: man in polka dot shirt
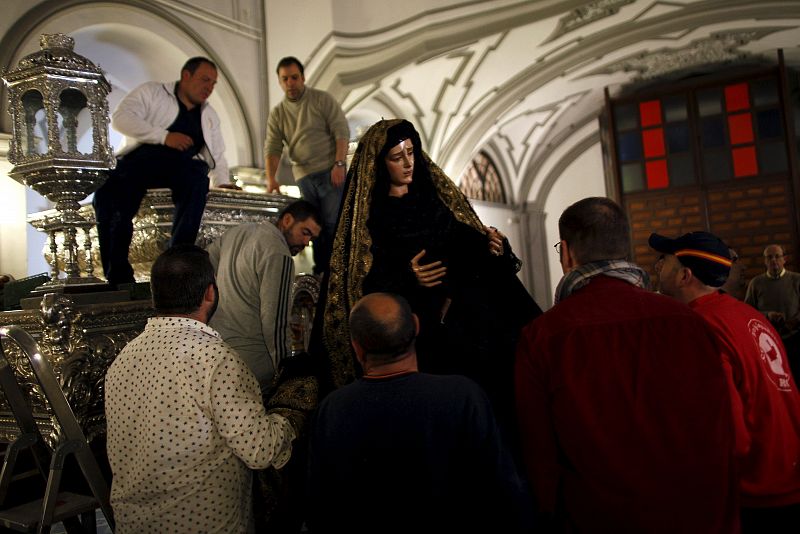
184, 413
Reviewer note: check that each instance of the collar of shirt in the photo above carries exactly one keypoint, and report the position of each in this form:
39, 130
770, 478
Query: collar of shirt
780, 275
176, 322
283, 236
709, 298
299, 98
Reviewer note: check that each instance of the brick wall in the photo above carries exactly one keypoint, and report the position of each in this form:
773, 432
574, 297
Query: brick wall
750, 217
747, 215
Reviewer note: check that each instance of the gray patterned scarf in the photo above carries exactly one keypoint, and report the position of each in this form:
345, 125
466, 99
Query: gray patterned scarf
582, 275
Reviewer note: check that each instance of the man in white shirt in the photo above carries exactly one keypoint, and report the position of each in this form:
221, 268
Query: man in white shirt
184, 413
172, 139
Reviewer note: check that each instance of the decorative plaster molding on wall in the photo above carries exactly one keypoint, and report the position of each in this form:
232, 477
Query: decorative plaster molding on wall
436, 93
349, 60
360, 96
718, 49
382, 100
587, 14
521, 131
578, 147
191, 9
466, 102
658, 8
418, 113
544, 151
561, 67
435, 79
527, 127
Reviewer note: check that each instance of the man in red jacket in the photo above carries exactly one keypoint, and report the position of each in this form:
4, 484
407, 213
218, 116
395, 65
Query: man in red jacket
622, 402
764, 396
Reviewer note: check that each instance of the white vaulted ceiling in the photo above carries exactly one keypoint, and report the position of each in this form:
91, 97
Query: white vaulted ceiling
520, 78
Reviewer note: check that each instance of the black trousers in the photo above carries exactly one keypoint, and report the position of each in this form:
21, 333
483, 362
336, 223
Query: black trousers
792, 344
118, 200
771, 520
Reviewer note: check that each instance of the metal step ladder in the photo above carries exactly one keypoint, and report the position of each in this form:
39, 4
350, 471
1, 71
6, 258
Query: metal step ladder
54, 506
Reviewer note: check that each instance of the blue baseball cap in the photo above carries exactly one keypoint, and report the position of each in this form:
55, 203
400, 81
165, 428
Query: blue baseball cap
705, 254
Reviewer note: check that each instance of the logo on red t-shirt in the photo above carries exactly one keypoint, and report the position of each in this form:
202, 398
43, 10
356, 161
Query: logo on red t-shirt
772, 354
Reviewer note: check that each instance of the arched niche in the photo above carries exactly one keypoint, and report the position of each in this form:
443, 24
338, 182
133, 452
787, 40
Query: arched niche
133, 45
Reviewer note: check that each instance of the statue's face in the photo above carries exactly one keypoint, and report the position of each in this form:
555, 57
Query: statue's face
400, 166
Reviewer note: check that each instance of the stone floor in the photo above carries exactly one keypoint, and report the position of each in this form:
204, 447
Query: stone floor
102, 525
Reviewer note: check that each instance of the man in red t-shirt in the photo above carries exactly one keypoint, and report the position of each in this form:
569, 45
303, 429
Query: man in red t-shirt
765, 401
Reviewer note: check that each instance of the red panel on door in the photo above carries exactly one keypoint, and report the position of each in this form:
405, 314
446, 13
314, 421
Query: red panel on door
744, 161
657, 177
737, 97
740, 127
650, 113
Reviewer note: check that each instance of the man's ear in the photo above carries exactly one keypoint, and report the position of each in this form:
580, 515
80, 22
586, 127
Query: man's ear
416, 324
286, 221
209, 295
685, 276
359, 351
568, 260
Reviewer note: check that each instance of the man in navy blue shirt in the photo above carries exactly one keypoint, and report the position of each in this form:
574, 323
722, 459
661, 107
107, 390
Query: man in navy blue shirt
426, 445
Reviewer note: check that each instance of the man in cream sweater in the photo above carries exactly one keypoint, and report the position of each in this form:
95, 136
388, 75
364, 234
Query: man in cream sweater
310, 124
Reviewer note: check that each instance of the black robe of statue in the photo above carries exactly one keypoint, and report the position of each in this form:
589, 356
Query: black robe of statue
488, 306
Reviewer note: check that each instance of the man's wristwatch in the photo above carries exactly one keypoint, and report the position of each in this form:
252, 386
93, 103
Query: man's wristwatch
339, 163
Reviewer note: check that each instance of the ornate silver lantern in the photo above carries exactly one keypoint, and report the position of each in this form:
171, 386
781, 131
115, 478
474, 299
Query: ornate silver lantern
59, 144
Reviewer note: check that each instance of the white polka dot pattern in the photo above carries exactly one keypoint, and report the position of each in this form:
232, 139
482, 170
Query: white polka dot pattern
185, 421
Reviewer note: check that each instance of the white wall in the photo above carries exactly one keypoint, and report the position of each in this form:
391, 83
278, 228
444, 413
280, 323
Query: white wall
294, 29
133, 45
582, 178
20, 244
503, 218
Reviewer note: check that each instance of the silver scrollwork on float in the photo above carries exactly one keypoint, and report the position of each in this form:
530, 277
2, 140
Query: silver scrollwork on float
225, 209
60, 147
79, 340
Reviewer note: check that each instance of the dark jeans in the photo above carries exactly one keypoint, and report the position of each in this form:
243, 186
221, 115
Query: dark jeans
318, 190
118, 200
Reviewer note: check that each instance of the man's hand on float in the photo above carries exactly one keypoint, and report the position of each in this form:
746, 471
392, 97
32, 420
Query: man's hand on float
273, 186
178, 141
428, 274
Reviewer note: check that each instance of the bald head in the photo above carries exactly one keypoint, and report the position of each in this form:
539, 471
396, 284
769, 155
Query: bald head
774, 259
382, 327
